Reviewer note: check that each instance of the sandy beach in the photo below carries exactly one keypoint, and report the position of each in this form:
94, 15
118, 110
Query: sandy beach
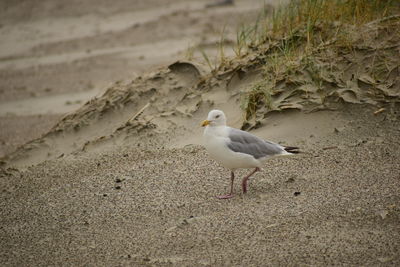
102, 157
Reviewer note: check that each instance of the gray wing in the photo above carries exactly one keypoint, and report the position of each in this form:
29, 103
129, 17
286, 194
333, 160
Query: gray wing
244, 142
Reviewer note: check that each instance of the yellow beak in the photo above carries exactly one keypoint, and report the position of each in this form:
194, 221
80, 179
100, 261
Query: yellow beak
205, 123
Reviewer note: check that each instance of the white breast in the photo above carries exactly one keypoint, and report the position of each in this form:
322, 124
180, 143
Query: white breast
215, 140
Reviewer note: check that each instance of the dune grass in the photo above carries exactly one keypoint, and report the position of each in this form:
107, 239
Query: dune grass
311, 17
299, 29
314, 21
290, 43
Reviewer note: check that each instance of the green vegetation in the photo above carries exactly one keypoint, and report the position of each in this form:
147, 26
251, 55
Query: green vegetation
313, 20
311, 54
301, 48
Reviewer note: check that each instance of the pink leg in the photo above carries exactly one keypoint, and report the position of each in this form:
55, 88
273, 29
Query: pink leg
230, 195
244, 182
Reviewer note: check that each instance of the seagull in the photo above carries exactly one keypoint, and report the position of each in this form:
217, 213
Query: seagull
237, 149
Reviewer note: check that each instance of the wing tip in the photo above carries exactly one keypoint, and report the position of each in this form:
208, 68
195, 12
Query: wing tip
292, 149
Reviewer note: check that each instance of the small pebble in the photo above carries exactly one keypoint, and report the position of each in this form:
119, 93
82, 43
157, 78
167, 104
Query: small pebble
290, 180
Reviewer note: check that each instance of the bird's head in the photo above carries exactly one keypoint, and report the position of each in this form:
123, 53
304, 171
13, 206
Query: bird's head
215, 118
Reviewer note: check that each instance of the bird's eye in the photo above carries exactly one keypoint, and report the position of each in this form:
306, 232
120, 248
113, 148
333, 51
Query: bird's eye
217, 116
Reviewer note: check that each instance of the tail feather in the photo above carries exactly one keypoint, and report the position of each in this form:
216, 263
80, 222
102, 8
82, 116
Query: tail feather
292, 149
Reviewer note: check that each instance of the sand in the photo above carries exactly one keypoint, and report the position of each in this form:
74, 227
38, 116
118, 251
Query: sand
59, 55
335, 204
116, 174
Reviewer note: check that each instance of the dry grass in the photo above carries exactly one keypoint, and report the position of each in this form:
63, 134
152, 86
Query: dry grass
313, 16
295, 33
299, 47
